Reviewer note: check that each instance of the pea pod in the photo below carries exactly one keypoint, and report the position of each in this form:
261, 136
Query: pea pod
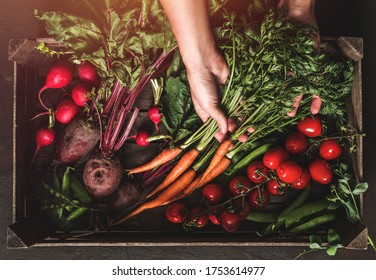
315, 222
56, 186
299, 201
79, 190
262, 217
249, 158
75, 215
280, 221
65, 188
305, 211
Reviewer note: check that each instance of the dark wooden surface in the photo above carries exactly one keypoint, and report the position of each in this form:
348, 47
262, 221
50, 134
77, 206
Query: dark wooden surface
335, 18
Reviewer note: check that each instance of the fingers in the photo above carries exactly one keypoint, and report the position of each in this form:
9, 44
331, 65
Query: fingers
281, 3
297, 100
316, 104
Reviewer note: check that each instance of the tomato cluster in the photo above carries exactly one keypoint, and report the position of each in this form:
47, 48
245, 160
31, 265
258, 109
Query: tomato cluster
272, 175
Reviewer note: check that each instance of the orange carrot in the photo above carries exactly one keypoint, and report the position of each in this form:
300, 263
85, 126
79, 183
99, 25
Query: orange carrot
218, 156
163, 157
188, 190
164, 197
214, 173
185, 161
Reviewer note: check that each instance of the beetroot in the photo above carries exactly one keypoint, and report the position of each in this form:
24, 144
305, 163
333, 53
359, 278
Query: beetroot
80, 94
77, 140
88, 74
102, 176
66, 111
125, 195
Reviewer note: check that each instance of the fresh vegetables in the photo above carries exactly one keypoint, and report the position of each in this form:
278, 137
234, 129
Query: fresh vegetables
45, 136
310, 127
102, 176
142, 138
80, 93
59, 75
320, 171
88, 74
330, 149
176, 212
213, 193
66, 111
76, 141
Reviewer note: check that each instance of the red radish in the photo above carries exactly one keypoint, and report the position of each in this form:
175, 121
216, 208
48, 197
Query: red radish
59, 75
88, 74
66, 111
154, 115
45, 136
142, 138
80, 93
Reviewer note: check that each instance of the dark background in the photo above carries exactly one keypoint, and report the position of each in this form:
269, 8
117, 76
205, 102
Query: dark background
335, 17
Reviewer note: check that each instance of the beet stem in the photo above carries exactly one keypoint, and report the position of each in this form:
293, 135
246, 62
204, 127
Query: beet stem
124, 136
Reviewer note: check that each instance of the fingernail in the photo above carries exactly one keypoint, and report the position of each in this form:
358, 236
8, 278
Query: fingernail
223, 130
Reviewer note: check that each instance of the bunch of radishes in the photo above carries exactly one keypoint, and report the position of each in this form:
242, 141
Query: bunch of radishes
60, 75
273, 175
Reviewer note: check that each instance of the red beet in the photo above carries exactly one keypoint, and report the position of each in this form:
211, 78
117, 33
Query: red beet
66, 111
80, 93
45, 136
77, 140
88, 74
59, 75
102, 176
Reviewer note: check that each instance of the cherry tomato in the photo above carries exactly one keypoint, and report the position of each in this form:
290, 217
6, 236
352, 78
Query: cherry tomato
330, 149
229, 221
303, 180
239, 185
296, 143
242, 207
320, 171
274, 188
257, 172
197, 219
176, 213
213, 193
310, 126
274, 157
289, 172
259, 198
213, 219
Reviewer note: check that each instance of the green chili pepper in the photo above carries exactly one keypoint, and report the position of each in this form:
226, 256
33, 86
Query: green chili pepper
79, 190
262, 217
315, 222
306, 210
249, 158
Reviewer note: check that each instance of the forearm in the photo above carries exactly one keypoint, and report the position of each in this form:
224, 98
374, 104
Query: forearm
190, 24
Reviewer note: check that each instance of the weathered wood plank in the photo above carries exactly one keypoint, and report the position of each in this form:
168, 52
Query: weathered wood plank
24, 51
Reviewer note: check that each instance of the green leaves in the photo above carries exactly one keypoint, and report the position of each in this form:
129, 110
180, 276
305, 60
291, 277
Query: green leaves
178, 112
76, 33
360, 188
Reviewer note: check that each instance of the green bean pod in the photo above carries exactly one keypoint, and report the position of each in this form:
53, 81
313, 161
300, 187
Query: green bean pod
280, 221
75, 215
299, 201
56, 186
262, 217
249, 158
79, 190
65, 188
315, 222
306, 210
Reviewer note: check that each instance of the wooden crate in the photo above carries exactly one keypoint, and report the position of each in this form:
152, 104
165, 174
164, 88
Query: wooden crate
28, 229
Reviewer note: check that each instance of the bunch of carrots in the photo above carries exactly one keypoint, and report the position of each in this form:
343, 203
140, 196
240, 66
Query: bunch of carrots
269, 68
